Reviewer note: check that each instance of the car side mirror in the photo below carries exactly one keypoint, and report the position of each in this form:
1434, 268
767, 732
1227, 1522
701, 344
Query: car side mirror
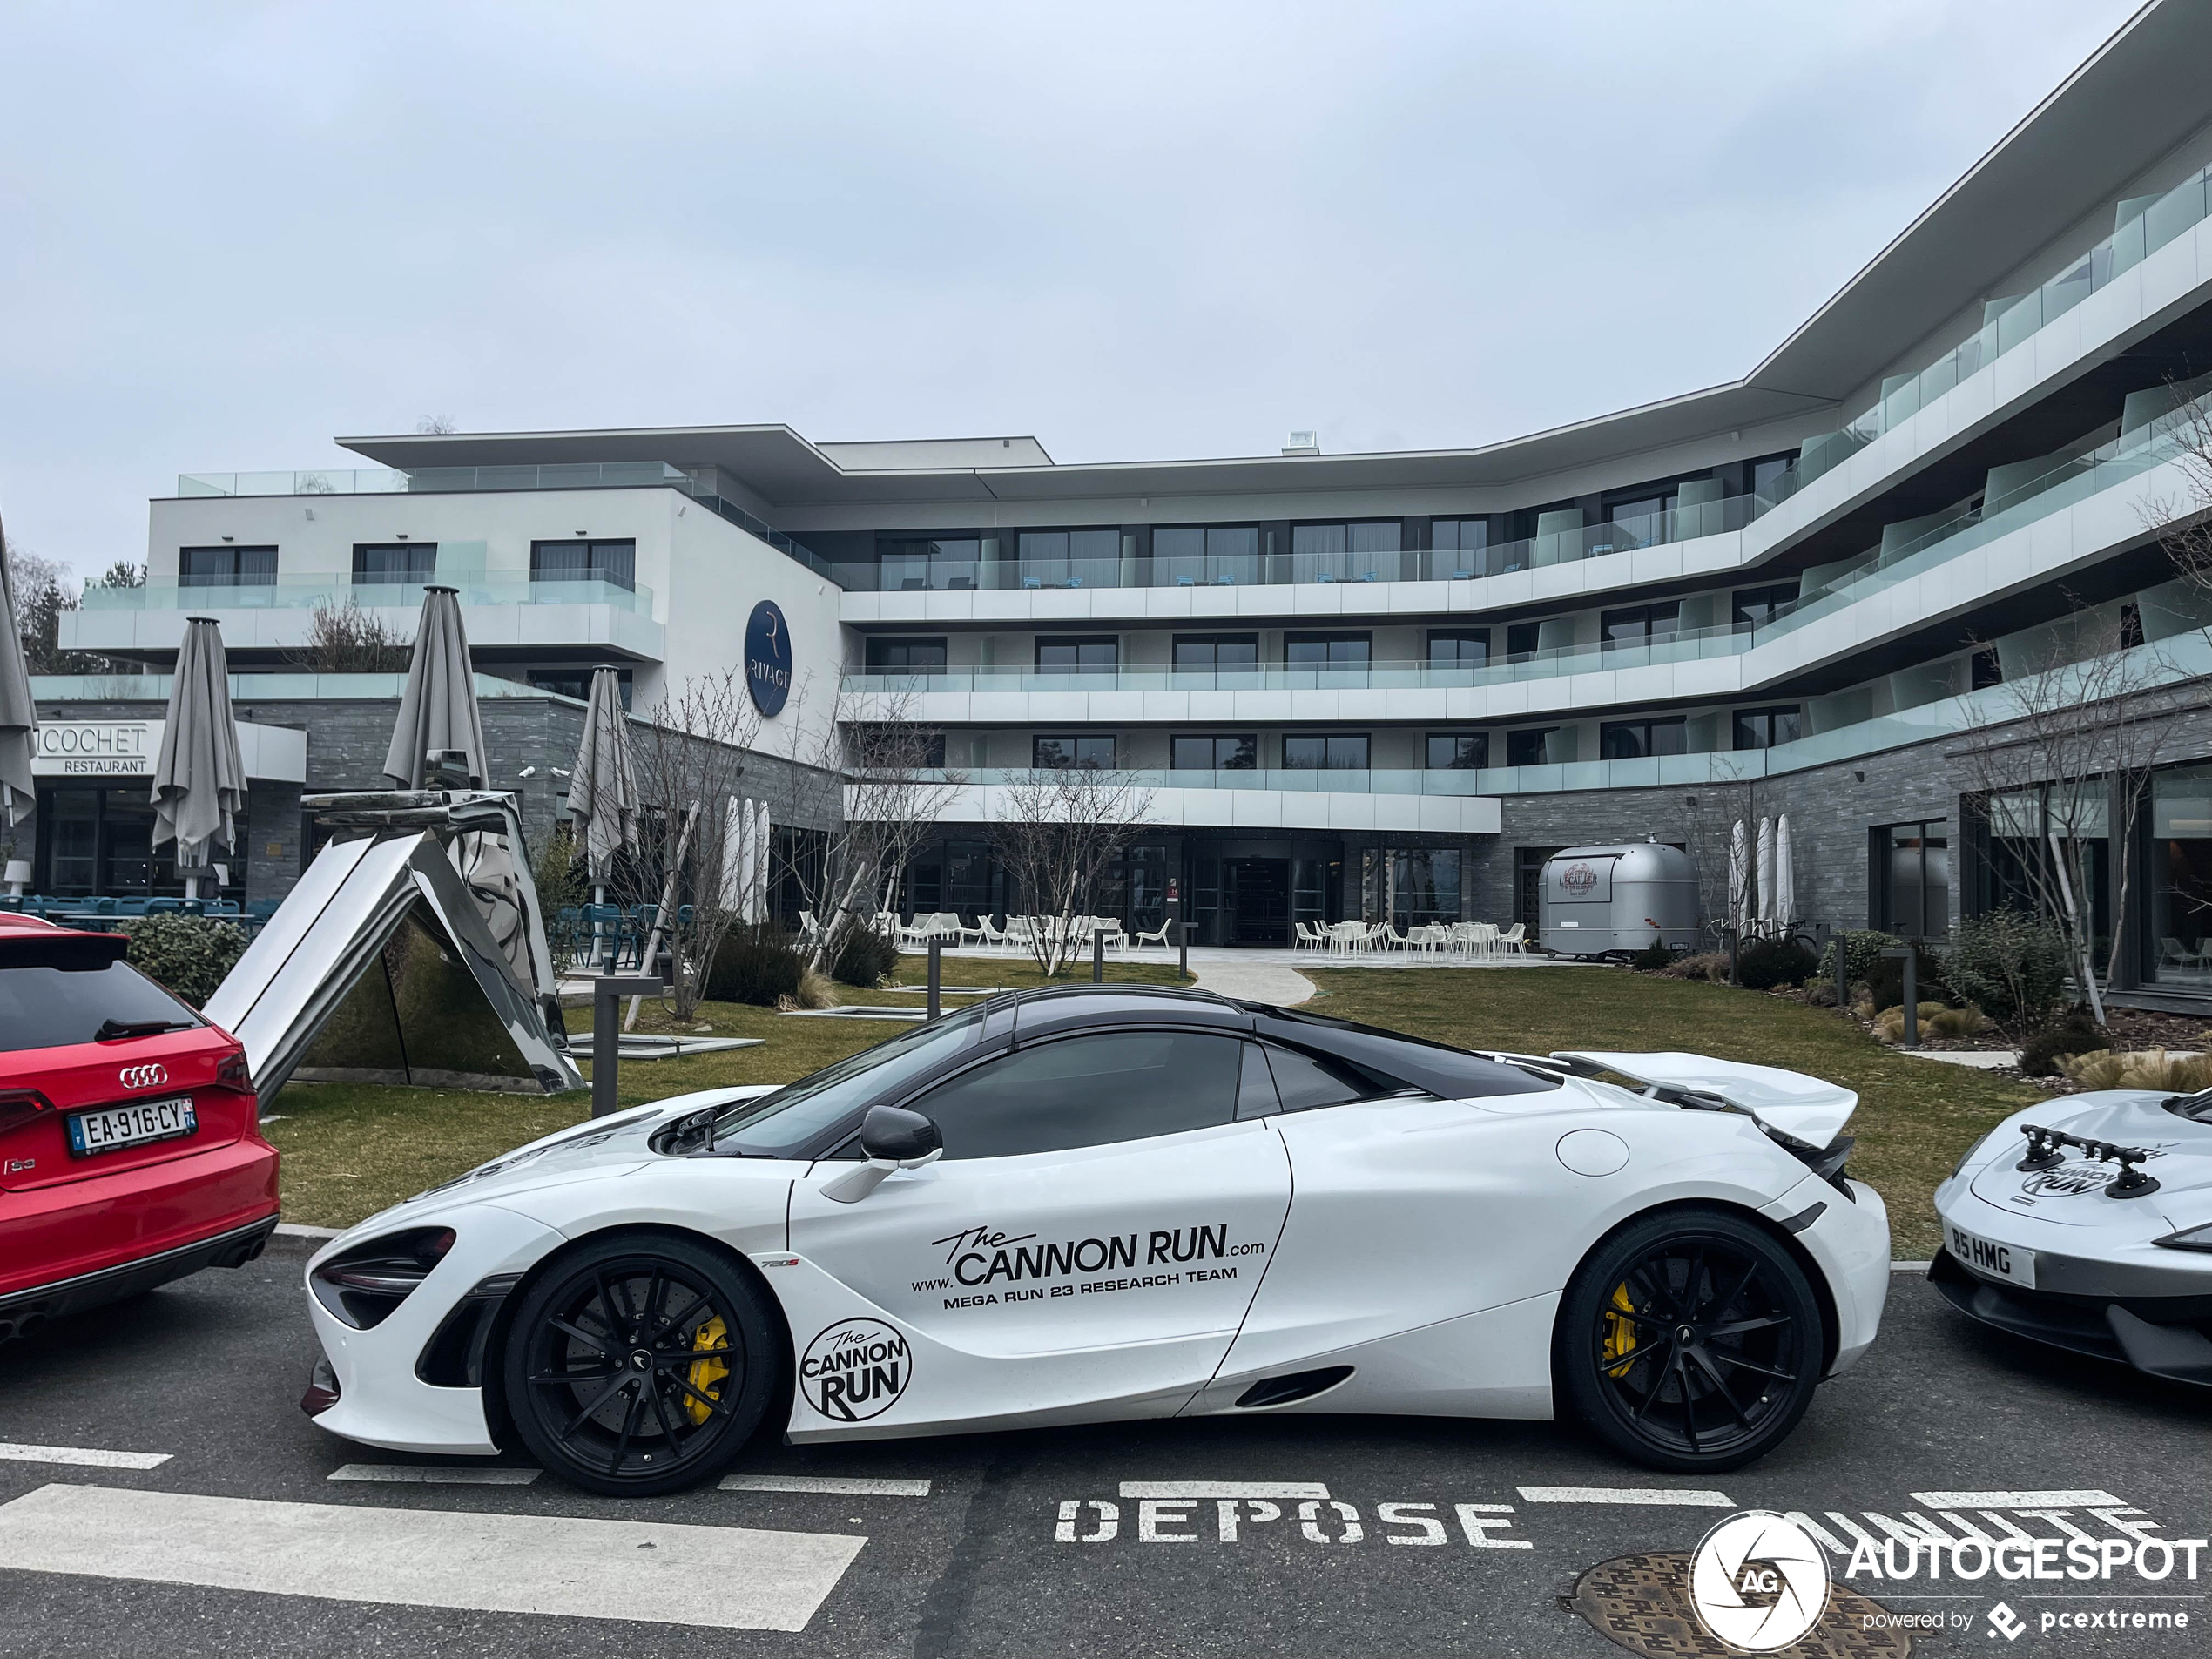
893, 1140
908, 1139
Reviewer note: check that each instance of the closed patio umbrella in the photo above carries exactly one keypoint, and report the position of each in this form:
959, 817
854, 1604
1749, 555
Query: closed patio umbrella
763, 843
18, 715
1786, 876
1739, 878
737, 858
200, 781
438, 707
1765, 899
603, 791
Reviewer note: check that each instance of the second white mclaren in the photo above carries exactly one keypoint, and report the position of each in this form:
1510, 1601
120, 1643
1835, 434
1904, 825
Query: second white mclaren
1080, 1206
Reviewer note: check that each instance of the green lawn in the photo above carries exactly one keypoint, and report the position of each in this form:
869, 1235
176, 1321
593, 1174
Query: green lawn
1914, 1117
351, 1148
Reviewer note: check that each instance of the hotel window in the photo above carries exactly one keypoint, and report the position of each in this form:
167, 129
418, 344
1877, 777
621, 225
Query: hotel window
939, 563
1639, 624
1530, 746
227, 567
393, 563
1458, 647
584, 560
906, 656
1078, 654
2179, 938
1639, 739
1520, 641
896, 748
1236, 753
1458, 548
1328, 651
1768, 473
1338, 752
1763, 728
1913, 881
1755, 607
1217, 653
1070, 558
1458, 751
1057, 754
1365, 552
1206, 555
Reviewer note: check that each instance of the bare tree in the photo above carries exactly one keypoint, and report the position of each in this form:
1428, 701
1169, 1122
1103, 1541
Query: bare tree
2184, 526
436, 426
1057, 833
877, 774
2063, 763
1709, 816
43, 590
689, 755
343, 639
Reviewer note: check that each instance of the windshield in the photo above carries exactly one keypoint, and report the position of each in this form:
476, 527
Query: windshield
45, 1007
778, 1125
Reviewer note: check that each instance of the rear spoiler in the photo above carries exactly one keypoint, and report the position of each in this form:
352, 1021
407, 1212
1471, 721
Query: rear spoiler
26, 948
1789, 1103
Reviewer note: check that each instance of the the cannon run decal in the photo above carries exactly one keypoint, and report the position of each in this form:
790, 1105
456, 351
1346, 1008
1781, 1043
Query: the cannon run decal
855, 1370
987, 1268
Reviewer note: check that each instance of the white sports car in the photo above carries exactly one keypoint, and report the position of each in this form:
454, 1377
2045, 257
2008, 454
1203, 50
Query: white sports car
1076, 1206
2086, 1222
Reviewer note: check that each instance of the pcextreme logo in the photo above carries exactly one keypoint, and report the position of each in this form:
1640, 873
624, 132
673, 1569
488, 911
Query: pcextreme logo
1758, 1581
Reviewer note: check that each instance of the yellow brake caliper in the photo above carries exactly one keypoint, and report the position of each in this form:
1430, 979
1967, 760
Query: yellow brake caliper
1620, 1335
706, 1375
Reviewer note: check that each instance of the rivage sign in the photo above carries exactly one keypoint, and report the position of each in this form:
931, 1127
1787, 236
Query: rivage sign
767, 658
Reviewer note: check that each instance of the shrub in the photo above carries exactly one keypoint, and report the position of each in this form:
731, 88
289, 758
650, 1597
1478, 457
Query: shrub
1653, 958
1885, 979
2147, 1069
189, 954
1936, 1021
1765, 963
2039, 1054
559, 875
2014, 965
866, 959
1820, 993
1859, 949
754, 965
1706, 965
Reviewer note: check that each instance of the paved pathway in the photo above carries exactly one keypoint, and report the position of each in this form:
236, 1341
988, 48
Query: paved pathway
1222, 971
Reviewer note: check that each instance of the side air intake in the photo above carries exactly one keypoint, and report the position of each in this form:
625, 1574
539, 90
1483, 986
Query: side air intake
1283, 1391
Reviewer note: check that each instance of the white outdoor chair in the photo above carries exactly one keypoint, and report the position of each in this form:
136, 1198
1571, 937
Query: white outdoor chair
1389, 938
962, 935
1306, 936
989, 937
1514, 940
1159, 936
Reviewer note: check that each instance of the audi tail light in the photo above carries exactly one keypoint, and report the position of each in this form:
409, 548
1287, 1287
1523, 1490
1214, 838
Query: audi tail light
21, 1106
363, 1285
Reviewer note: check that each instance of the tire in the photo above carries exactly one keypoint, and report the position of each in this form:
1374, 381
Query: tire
601, 1372
1690, 1340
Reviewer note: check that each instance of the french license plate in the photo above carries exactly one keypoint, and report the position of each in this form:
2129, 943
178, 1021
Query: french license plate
117, 1127
2008, 1262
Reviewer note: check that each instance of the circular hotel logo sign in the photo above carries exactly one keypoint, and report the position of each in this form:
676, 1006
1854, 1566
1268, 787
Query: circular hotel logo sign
767, 658
1758, 1581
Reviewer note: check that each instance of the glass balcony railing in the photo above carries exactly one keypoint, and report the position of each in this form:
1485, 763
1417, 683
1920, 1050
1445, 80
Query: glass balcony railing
2010, 324
1334, 781
311, 592
246, 688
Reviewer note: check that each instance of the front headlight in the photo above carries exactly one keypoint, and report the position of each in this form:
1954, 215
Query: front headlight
362, 1287
2197, 1238
1968, 1155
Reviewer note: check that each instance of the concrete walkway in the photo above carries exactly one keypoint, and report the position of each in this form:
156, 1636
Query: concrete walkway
1223, 971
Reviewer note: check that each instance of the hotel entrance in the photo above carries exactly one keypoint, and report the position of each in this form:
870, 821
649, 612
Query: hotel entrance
1252, 893
1256, 894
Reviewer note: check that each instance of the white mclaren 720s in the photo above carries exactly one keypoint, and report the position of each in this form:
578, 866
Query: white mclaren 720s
1073, 1206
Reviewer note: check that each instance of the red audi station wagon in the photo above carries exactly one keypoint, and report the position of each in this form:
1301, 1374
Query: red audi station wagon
130, 1152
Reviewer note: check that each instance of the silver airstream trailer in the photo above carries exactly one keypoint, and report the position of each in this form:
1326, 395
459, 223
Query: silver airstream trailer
1607, 901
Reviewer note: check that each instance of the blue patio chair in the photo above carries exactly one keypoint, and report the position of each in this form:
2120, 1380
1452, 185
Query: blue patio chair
166, 906
131, 906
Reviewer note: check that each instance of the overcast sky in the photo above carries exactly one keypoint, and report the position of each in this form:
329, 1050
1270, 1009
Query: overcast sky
230, 231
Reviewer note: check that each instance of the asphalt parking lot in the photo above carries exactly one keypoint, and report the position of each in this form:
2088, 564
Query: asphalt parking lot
1283, 1536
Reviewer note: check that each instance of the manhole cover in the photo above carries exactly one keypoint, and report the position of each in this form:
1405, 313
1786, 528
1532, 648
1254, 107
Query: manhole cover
1642, 1603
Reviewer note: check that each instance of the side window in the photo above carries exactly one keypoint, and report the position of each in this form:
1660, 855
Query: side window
1304, 1082
1256, 1096
1088, 1091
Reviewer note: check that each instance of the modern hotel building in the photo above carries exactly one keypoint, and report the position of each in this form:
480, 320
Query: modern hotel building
1384, 684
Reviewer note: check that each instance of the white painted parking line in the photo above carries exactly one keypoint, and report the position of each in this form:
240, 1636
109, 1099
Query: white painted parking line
87, 1456
1654, 1496
430, 1475
2025, 1499
734, 1578
853, 1486
1223, 1489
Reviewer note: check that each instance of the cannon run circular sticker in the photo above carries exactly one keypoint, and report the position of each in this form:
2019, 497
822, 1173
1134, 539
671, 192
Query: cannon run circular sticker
855, 1370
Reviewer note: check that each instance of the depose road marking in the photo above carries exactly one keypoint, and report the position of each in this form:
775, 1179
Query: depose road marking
432, 1474
85, 1456
1289, 1489
734, 1578
2028, 1500
1650, 1496
848, 1487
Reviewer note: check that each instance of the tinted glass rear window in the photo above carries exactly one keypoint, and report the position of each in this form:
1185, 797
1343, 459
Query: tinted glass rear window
45, 1007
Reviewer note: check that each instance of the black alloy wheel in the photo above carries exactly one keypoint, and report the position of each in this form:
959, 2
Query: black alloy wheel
1691, 1341
640, 1366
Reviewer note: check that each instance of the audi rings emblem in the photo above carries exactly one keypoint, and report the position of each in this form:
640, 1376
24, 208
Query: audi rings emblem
145, 1076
